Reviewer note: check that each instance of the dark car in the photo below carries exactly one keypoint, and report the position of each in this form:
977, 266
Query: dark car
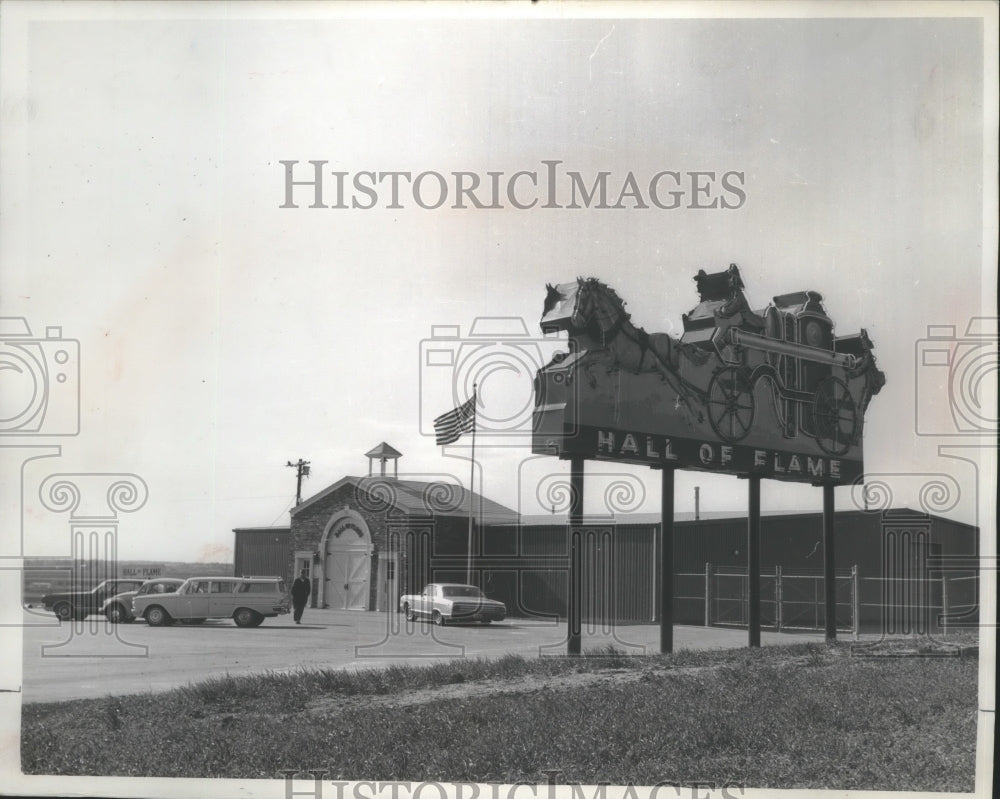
80, 604
119, 607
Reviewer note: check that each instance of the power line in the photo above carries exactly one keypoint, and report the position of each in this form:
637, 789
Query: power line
282, 513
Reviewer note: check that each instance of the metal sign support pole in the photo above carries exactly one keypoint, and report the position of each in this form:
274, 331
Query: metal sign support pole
753, 560
575, 555
829, 584
667, 563
472, 487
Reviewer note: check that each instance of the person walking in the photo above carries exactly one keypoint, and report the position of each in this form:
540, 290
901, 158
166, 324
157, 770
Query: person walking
300, 593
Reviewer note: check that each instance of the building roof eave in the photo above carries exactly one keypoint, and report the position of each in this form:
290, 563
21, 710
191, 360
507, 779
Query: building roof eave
306, 503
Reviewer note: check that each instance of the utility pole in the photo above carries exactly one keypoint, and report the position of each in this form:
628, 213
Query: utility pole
301, 470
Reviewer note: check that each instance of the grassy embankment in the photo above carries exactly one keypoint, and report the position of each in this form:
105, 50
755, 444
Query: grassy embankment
783, 717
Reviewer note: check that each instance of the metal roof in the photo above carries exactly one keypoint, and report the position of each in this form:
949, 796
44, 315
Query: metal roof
640, 518
384, 450
422, 498
285, 529
902, 513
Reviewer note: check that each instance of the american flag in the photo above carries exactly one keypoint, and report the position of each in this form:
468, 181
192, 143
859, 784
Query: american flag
450, 426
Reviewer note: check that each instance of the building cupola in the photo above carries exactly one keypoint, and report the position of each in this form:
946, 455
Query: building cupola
383, 452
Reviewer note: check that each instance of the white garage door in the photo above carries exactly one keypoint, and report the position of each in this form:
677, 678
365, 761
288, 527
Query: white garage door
347, 578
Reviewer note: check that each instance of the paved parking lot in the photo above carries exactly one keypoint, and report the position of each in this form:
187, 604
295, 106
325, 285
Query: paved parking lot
95, 658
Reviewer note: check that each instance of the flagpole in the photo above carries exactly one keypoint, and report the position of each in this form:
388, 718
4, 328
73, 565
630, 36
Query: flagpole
472, 483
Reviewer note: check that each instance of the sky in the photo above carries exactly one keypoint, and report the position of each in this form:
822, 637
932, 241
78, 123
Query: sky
221, 335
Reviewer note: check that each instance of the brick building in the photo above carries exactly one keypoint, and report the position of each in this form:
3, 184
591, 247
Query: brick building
367, 540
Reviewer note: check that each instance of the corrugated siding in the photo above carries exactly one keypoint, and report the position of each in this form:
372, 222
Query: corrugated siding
416, 543
262, 553
618, 568
718, 543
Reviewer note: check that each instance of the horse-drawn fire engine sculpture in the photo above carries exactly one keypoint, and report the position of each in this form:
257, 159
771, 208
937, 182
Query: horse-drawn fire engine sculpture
769, 392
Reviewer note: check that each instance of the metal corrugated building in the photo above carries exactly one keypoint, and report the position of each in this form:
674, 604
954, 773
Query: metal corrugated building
261, 551
894, 569
527, 568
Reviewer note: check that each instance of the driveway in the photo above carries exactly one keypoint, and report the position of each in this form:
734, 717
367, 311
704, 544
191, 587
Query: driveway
95, 658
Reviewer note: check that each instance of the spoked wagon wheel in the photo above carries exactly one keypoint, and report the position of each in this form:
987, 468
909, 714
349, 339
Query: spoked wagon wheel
731, 405
835, 416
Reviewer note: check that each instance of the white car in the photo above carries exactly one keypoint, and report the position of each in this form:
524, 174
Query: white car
245, 600
118, 608
452, 602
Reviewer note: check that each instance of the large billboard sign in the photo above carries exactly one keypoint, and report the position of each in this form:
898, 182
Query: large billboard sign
771, 392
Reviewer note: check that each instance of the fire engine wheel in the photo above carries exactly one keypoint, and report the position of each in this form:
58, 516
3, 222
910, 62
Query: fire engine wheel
835, 416
731, 404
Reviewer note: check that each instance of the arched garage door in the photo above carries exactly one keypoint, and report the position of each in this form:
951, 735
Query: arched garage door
347, 564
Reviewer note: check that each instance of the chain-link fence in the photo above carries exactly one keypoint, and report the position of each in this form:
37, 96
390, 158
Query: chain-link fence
719, 597
787, 601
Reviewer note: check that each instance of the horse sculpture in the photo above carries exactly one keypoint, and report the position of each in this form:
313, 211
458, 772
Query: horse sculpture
599, 320
595, 316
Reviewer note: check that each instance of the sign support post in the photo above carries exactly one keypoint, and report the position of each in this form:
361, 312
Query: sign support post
575, 555
667, 562
753, 560
829, 584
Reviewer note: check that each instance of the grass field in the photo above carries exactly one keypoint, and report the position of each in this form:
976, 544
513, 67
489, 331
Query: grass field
782, 717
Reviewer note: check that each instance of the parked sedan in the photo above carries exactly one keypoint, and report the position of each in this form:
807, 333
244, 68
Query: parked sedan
80, 604
445, 602
118, 608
